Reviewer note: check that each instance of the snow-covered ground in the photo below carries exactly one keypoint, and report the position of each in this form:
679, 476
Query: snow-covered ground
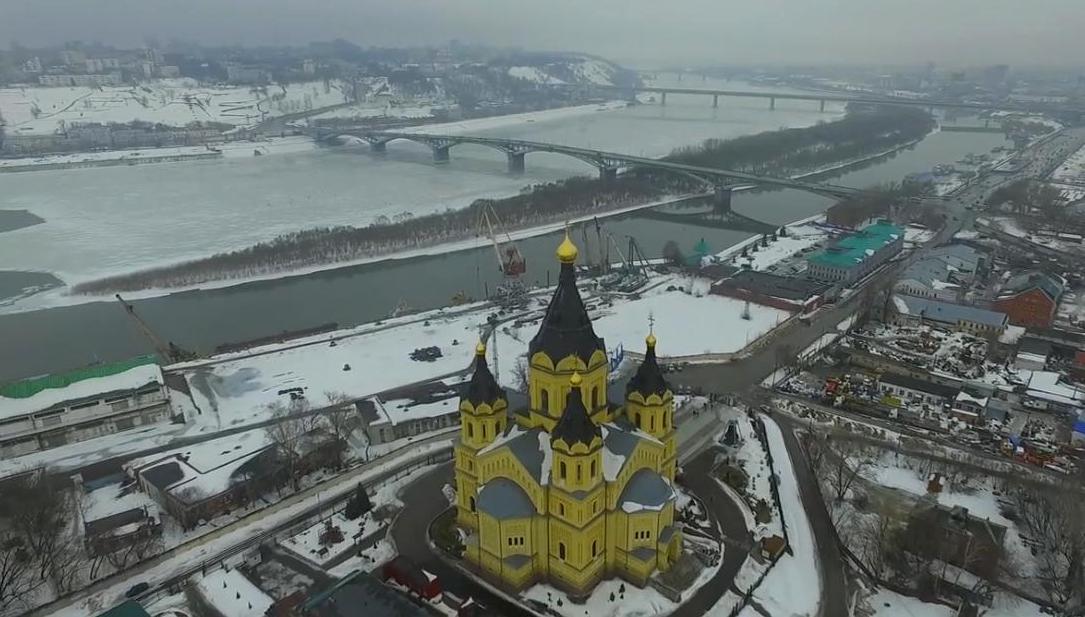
232, 594
886, 603
634, 602
174, 102
306, 543
240, 388
793, 586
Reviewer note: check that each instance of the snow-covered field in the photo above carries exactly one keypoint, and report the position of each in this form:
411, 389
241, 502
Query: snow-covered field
174, 102
239, 388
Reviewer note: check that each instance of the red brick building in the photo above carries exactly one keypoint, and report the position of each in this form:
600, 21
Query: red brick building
1030, 299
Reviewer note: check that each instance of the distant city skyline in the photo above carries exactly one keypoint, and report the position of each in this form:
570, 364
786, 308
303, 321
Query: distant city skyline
641, 33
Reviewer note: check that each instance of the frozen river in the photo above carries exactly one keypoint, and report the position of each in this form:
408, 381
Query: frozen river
106, 220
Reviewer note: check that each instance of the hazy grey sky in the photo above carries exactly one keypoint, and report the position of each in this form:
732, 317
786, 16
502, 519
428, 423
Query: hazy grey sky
642, 32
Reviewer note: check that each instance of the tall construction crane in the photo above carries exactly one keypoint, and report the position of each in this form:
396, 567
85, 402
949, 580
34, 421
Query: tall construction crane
168, 352
509, 260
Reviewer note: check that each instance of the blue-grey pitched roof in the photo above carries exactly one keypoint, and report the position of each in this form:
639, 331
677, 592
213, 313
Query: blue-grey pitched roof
948, 312
527, 449
620, 438
647, 488
941, 263
502, 499
1052, 286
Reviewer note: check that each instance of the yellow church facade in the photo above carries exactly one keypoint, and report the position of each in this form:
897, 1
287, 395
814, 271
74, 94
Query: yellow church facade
573, 488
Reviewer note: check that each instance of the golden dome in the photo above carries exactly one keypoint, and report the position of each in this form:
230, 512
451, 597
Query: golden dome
480, 349
575, 380
567, 251
651, 340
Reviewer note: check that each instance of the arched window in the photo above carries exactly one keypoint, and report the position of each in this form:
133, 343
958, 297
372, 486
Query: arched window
544, 400
595, 398
594, 548
592, 476
470, 430
651, 423
484, 430
563, 470
561, 509
561, 551
471, 501
579, 472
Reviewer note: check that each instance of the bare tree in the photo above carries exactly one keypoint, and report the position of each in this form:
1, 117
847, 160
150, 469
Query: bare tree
341, 420
1055, 520
288, 431
135, 551
520, 373
41, 511
17, 576
876, 536
847, 461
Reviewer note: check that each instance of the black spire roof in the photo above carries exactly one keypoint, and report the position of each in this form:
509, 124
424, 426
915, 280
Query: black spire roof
566, 329
575, 426
648, 378
482, 388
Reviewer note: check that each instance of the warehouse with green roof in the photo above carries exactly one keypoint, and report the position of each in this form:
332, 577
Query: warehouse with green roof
857, 254
54, 410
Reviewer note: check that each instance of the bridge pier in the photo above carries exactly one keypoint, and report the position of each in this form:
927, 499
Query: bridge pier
663, 98
715, 101
822, 110
516, 162
608, 174
378, 147
440, 154
721, 202
772, 103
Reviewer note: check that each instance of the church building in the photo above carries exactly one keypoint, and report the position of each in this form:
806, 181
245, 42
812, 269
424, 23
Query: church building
574, 488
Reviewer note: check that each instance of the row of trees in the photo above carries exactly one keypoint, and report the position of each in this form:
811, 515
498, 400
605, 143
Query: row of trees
776, 151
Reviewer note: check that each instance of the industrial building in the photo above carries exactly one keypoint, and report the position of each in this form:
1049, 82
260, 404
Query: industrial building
54, 410
857, 254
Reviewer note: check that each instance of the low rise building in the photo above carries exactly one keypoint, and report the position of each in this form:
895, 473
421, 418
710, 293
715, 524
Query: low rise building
912, 390
361, 595
114, 517
914, 310
857, 254
782, 292
1030, 299
46, 412
96, 80
953, 535
206, 479
945, 273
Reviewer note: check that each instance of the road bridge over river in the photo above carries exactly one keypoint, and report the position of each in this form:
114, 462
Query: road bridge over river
835, 97
723, 181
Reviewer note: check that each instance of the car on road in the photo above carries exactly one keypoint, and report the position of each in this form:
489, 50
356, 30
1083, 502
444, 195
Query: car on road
137, 589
